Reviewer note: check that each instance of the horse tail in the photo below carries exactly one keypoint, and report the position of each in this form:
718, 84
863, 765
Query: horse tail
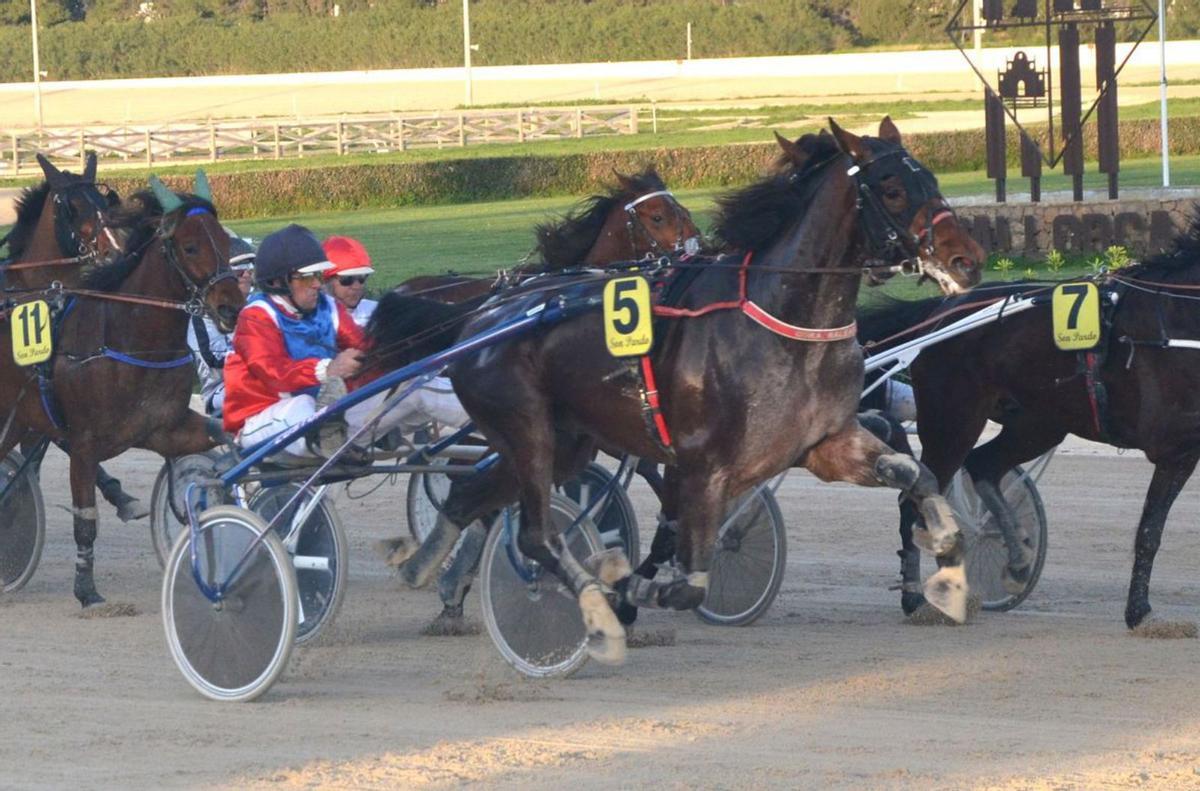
404, 329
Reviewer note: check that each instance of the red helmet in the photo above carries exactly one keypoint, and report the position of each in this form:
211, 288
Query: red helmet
348, 255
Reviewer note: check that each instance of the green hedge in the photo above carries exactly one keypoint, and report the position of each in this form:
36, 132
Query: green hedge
282, 192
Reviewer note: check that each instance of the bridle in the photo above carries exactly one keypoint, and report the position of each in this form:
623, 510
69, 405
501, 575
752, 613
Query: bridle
196, 303
66, 218
634, 223
892, 247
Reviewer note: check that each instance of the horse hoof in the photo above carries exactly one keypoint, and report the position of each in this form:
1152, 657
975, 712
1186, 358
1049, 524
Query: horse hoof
910, 602
947, 591
396, 550
627, 614
605, 635
1154, 629
89, 598
1016, 580
683, 596
132, 510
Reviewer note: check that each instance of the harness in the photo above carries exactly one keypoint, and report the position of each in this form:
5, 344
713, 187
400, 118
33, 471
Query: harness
891, 245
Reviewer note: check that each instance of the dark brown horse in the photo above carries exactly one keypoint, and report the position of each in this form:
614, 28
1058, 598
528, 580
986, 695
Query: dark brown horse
743, 402
1131, 391
121, 375
637, 218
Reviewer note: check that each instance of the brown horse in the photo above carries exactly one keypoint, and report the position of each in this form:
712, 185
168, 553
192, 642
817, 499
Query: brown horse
121, 374
61, 228
1133, 390
728, 382
637, 218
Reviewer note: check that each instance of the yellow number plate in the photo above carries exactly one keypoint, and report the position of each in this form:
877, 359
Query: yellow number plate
1076, 310
30, 326
628, 326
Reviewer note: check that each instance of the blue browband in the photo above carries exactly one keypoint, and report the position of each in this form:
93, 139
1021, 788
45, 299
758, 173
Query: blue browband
192, 212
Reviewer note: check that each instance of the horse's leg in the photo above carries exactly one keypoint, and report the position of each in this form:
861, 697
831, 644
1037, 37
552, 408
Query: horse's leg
83, 501
455, 583
855, 455
1169, 478
891, 431
194, 434
128, 507
1020, 440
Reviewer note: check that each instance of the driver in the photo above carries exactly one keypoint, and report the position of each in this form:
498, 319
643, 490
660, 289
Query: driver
293, 346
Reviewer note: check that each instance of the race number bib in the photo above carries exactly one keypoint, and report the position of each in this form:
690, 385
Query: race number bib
1076, 312
30, 326
628, 327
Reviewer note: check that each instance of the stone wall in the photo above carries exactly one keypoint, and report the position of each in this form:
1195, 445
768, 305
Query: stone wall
1143, 225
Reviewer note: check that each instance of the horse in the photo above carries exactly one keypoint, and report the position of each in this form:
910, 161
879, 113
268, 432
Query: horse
121, 374
61, 228
1132, 390
588, 235
639, 217
771, 345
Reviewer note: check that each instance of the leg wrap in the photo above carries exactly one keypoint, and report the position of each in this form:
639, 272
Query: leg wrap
89, 514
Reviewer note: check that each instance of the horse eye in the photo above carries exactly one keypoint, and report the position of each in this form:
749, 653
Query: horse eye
190, 249
657, 218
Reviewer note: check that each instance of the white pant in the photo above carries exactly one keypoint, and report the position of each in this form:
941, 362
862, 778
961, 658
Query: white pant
433, 402
899, 400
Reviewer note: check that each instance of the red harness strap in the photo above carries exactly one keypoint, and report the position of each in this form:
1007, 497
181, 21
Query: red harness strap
652, 402
761, 316
756, 314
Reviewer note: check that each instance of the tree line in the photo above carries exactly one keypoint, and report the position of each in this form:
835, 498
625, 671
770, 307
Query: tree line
91, 39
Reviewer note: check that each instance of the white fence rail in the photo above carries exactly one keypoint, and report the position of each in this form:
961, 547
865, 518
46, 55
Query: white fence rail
214, 141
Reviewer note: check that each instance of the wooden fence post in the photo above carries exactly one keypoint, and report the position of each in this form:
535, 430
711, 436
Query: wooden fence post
462, 131
633, 120
16, 154
149, 151
579, 122
520, 126
212, 142
275, 131
340, 148
82, 158
401, 142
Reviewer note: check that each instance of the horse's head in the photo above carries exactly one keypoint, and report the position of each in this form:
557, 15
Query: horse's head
656, 221
81, 209
907, 223
196, 245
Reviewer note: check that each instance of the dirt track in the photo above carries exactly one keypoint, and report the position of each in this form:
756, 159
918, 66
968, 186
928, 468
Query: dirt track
831, 690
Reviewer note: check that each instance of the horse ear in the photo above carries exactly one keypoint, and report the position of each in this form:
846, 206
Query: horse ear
889, 132
202, 189
89, 168
54, 176
791, 152
848, 143
625, 182
167, 199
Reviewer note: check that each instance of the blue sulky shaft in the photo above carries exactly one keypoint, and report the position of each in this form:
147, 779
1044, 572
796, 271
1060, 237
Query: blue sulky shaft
546, 313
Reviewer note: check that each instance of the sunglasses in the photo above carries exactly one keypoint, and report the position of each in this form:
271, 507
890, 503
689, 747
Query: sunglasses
349, 280
308, 278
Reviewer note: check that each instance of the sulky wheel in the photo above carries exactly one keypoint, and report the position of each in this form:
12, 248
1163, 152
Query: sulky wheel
427, 492
233, 649
168, 512
749, 561
319, 554
617, 521
986, 553
534, 620
22, 523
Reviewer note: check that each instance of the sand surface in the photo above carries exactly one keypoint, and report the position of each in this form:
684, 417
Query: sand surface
832, 689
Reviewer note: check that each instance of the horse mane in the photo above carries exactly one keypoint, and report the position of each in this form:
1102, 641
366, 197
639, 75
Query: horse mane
753, 217
141, 214
566, 241
29, 209
404, 329
1184, 253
